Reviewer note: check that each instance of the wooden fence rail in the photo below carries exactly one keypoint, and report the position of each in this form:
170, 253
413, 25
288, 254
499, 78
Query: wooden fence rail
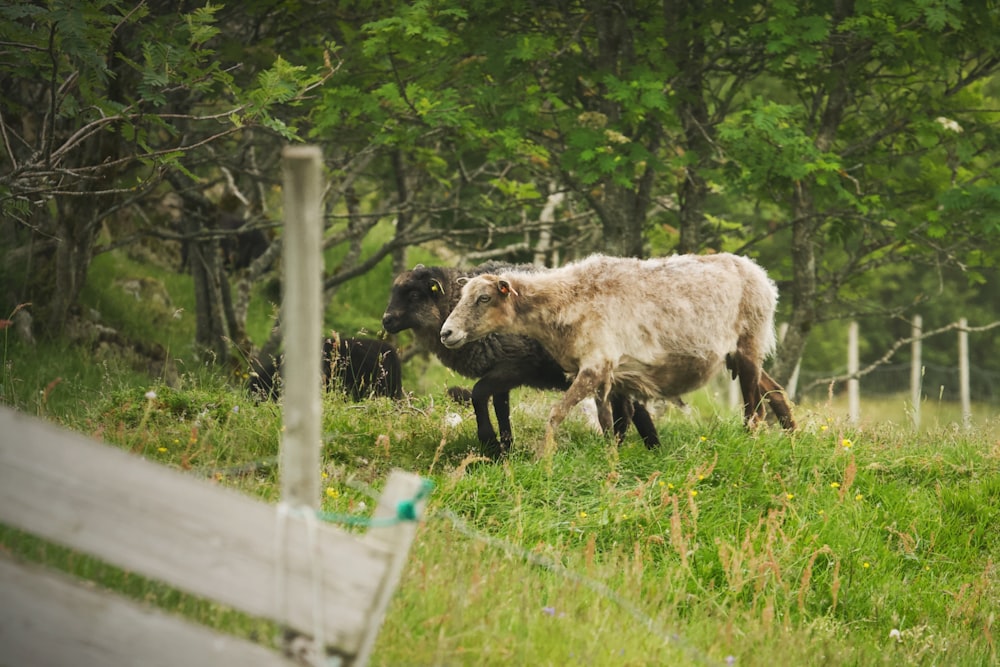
188, 532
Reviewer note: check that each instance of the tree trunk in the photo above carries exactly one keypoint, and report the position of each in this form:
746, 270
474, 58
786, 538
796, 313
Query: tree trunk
210, 321
805, 225
622, 209
621, 222
403, 217
687, 49
803, 314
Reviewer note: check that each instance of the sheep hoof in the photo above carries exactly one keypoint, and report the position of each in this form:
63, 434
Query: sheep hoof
495, 449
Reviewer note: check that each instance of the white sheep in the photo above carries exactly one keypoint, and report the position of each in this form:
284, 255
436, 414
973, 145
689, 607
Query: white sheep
654, 328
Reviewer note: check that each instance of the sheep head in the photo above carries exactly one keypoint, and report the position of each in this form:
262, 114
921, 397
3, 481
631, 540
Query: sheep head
419, 300
484, 308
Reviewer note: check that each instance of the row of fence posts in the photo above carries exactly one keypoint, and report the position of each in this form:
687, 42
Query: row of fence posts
916, 373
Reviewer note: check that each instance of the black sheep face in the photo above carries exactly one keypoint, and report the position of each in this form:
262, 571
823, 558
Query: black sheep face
419, 300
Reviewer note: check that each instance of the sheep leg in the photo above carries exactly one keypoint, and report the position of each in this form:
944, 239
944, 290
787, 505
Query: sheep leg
481, 393
776, 398
606, 415
585, 384
749, 376
644, 425
501, 406
623, 412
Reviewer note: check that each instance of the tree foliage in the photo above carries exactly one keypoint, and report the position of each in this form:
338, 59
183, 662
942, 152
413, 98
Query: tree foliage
103, 101
847, 144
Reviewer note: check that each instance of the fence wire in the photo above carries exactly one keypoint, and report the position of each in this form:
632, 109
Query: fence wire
938, 382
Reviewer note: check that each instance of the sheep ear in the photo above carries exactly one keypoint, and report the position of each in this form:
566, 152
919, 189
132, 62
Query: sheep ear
461, 281
418, 267
436, 286
506, 288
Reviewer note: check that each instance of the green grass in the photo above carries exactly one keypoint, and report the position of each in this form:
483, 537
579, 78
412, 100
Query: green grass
773, 549
721, 546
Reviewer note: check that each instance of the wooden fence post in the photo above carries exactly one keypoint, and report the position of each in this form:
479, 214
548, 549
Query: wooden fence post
853, 385
735, 397
916, 370
302, 309
963, 371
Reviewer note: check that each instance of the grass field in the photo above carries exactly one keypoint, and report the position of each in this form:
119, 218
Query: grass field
867, 544
836, 545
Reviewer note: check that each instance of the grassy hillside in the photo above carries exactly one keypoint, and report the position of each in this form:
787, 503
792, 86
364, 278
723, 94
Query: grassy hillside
836, 545
833, 546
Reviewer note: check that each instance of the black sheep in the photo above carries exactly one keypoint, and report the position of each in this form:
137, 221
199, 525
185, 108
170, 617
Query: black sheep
241, 249
362, 367
423, 298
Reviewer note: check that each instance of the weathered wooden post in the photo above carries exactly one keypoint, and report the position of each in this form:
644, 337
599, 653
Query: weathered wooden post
301, 316
301, 312
916, 370
963, 371
853, 385
735, 398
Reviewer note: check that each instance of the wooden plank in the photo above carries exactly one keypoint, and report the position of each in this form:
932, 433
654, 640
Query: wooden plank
301, 314
187, 532
395, 539
48, 618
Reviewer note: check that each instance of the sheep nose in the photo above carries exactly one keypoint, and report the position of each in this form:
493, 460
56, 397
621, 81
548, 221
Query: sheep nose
451, 340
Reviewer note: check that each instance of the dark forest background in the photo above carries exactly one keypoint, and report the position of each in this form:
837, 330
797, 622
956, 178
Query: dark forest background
850, 147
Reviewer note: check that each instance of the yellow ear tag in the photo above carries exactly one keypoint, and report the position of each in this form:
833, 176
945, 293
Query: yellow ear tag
434, 287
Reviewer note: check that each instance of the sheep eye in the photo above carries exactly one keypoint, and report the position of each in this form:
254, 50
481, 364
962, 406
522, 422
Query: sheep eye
483, 298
